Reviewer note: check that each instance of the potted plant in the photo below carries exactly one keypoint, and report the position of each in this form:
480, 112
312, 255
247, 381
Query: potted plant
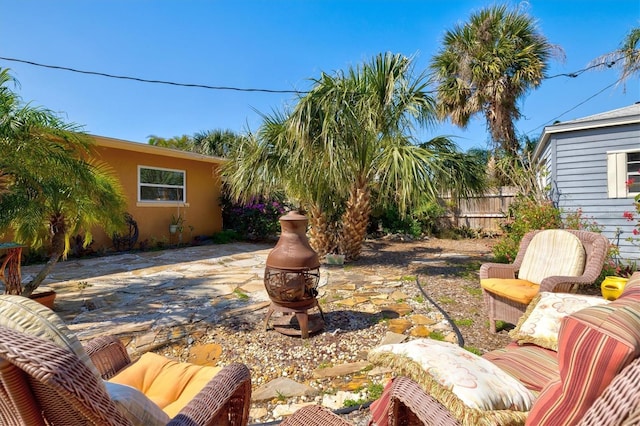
176, 224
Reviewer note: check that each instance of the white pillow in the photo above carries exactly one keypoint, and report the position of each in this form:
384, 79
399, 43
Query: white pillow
135, 406
471, 387
540, 323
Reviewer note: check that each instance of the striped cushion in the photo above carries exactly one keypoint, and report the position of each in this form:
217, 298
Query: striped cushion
632, 289
595, 344
30, 317
532, 365
550, 253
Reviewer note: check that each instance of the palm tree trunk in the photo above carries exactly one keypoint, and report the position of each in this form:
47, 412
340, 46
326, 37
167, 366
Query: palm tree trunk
321, 236
355, 220
58, 228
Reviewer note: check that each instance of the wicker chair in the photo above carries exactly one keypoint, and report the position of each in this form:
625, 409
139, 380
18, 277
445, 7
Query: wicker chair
42, 383
501, 307
619, 404
314, 415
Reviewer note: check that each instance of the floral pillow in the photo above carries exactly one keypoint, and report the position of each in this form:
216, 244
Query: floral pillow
472, 388
540, 324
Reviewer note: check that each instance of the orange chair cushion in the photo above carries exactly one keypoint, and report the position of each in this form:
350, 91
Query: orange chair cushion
169, 384
521, 291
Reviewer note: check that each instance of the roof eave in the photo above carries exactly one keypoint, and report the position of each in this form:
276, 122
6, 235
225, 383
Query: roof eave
156, 150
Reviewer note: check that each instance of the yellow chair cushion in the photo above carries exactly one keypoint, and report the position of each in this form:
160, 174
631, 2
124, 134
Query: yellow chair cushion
171, 385
521, 291
551, 253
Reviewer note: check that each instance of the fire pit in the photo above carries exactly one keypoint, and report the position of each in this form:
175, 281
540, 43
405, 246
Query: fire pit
291, 279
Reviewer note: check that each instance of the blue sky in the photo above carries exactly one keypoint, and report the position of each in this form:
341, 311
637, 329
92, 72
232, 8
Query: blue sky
279, 45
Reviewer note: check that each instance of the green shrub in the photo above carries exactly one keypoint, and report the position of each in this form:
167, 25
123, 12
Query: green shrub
525, 214
256, 220
225, 237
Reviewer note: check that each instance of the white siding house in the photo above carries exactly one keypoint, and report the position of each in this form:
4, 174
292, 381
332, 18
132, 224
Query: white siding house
590, 161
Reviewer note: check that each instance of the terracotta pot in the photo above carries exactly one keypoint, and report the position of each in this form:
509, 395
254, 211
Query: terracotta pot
45, 298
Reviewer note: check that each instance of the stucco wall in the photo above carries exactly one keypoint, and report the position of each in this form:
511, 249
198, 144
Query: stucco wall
201, 209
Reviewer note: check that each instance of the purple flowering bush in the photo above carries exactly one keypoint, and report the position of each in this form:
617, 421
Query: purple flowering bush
256, 220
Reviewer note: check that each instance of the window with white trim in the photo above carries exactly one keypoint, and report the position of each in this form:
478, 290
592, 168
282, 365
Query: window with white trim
623, 174
161, 185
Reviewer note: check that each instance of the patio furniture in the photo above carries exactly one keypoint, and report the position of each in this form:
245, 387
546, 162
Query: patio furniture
314, 415
551, 260
10, 268
593, 379
48, 377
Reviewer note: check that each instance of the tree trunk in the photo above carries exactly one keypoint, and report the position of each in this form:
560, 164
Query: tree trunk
355, 220
321, 234
58, 228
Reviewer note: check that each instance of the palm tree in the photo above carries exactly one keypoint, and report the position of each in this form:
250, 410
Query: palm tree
52, 189
627, 58
487, 65
214, 142
183, 143
351, 134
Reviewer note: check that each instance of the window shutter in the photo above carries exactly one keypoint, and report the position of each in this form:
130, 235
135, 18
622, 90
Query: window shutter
616, 174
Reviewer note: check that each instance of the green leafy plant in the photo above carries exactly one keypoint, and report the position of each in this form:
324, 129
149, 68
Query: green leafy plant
240, 294
473, 350
634, 216
464, 322
226, 236
436, 335
473, 290
525, 214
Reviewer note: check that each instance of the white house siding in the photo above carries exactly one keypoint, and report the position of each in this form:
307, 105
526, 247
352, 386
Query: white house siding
579, 178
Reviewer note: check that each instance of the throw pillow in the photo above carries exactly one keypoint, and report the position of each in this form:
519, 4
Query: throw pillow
540, 323
135, 406
30, 317
472, 388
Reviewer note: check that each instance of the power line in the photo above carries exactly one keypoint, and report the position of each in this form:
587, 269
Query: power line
144, 80
575, 74
575, 106
239, 89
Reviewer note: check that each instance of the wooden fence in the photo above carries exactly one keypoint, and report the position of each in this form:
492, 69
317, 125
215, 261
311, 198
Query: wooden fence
482, 212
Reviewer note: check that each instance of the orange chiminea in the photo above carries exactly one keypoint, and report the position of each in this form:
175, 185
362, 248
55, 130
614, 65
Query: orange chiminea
291, 278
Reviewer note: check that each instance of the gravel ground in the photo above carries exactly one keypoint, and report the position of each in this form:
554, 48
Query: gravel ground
447, 271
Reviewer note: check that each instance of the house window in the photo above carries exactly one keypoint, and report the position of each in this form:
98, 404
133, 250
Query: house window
162, 185
633, 172
623, 174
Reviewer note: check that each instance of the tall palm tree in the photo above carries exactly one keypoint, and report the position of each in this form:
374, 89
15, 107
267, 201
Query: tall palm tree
350, 134
54, 190
627, 57
487, 65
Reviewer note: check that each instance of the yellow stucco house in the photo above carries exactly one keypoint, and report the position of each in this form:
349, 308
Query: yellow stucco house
160, 183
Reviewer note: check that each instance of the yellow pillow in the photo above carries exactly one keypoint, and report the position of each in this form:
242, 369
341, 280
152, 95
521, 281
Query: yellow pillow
171, 385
